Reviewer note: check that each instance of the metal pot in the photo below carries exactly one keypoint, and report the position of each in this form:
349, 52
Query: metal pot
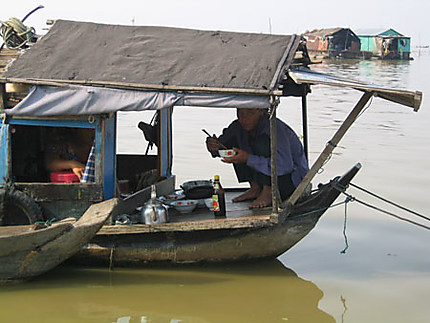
153, 212
199, 189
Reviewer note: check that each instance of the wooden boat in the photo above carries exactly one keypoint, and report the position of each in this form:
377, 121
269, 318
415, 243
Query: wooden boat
244, 235
82, 94
27, 251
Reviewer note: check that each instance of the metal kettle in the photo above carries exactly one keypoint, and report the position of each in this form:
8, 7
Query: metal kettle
153, 212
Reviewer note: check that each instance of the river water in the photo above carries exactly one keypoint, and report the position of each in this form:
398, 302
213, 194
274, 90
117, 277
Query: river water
383, 276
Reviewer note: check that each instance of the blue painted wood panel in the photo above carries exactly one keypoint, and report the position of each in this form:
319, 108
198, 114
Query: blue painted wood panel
4, 153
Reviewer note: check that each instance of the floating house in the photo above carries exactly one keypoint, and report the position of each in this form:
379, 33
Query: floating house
333, 43
389, 44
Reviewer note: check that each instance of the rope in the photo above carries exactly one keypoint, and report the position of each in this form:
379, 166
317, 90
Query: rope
43, 224
390, 202
386, 212
348, 199
15, 34
47, 223
325, 208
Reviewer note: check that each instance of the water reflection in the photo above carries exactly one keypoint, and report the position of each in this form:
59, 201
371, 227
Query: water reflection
252, 292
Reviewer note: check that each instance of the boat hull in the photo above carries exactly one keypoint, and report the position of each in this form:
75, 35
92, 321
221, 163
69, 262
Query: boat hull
201, 246
215, 245
26, 253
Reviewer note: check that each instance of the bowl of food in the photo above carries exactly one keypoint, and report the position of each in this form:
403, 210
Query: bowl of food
171, 198
223, 153
176, 195
209, 203
184, 206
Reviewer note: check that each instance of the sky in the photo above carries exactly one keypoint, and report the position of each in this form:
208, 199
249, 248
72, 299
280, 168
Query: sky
277, 17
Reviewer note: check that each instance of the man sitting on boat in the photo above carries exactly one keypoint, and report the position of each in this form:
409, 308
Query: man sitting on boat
249, 136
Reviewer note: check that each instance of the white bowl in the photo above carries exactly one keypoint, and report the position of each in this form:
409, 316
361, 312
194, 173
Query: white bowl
209, 203
185, 206
226, 153
170, 198
177, 195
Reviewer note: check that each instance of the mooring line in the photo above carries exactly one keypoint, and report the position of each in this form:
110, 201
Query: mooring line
386, 212
390, 202
325, 208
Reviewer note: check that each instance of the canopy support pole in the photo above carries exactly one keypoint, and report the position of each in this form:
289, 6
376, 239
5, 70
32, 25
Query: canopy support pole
305, 125
2, 97
329, 148
274, 101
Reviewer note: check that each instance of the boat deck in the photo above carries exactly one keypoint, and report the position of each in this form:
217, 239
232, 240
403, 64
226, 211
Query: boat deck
238, 216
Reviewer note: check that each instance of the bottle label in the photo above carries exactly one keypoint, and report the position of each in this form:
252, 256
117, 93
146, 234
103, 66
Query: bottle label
216, 204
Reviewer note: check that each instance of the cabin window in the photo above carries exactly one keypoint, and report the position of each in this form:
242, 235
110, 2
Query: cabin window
35, 150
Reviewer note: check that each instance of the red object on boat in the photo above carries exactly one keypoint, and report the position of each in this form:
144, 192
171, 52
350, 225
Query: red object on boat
64, 177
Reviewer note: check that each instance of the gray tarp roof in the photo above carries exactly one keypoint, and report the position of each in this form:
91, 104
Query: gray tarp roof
159, 56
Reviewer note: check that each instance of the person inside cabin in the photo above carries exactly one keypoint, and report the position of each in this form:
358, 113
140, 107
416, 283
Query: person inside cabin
71, 149
249, 137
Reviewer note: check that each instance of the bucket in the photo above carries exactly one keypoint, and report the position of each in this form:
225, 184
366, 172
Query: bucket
64, 177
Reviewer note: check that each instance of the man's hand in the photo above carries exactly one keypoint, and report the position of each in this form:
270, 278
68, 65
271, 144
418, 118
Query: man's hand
212, 143
241, 157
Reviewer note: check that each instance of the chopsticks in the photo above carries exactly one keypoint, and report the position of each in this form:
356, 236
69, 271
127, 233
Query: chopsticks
207, 133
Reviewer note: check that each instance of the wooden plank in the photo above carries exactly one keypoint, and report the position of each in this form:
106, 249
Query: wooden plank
212, 224
130, 204
405, 97
42, 192
137, 86
239, 216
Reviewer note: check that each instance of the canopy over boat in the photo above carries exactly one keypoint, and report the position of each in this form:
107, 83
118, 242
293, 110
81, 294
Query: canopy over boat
148, 68
132, 68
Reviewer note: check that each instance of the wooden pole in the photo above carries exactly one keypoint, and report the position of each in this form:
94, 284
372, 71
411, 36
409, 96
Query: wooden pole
305, 124
273, 155
142, 87
329, 148
2, 97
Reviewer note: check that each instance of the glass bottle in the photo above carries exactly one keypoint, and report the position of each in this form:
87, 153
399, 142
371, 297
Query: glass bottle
218, 198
